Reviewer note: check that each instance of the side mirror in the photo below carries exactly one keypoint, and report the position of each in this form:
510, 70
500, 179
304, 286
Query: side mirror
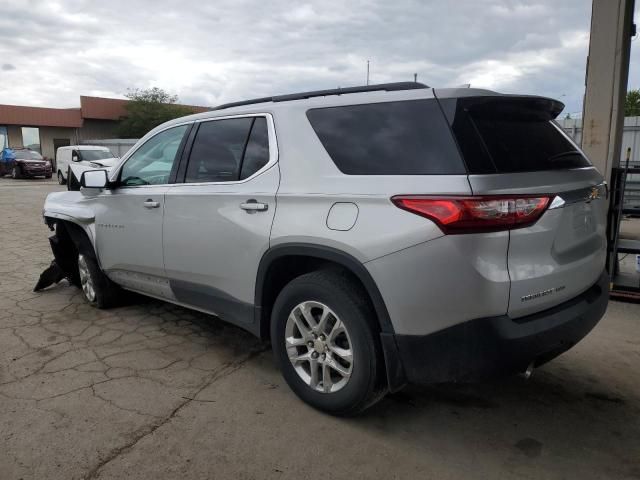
75, 158
94, 179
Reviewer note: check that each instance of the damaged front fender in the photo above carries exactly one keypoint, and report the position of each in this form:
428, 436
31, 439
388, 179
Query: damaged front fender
68, 206
71, 217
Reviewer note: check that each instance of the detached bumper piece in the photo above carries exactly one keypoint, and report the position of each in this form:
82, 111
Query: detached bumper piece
52, 274
65, 251
489, 347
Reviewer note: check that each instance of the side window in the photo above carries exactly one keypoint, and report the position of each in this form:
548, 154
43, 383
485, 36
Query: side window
151, 164
256, 154
216, 155
408, 137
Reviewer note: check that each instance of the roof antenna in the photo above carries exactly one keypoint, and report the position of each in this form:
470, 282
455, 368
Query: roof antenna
415, 78
367, 72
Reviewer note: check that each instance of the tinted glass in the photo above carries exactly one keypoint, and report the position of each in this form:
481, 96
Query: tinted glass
151, 164
217, 150
256, 154
512, 135
394, 138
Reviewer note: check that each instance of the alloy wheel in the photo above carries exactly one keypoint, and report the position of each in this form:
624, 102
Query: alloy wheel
85, 279
319, 347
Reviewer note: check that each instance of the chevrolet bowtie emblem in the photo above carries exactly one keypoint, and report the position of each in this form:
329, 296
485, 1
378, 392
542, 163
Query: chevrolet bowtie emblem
594, 194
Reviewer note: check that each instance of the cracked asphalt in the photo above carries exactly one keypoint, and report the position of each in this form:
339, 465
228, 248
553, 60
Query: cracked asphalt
152, 390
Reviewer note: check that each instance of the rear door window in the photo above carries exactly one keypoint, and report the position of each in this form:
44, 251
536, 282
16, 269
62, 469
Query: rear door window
217, 150
392, 138
228, 150
256, 154
510, 135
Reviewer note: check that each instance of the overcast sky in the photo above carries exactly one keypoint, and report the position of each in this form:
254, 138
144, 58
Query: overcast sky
213, 51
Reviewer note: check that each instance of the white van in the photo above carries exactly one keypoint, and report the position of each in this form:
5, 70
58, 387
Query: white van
86, 155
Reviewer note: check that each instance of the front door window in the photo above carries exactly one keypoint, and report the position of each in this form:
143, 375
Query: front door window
151, 164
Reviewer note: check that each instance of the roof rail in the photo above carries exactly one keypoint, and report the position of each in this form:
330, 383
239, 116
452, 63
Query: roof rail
389, 87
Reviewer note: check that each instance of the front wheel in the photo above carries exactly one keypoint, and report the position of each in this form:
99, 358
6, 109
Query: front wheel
15, 173
324, 338
98, 290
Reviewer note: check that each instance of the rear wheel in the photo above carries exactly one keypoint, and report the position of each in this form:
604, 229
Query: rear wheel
61, 179
323, 336
97, 288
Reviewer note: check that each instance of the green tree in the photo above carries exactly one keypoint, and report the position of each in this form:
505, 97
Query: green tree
632, 103
148, 108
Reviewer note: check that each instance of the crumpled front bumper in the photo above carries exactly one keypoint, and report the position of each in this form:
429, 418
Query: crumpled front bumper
36, 171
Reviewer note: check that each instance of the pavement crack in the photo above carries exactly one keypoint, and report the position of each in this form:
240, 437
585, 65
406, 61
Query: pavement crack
222, 372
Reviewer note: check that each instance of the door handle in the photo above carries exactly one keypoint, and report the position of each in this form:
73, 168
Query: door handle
151, 204
254, 206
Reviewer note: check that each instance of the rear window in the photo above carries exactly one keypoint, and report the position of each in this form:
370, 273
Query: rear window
507, 135
391, 138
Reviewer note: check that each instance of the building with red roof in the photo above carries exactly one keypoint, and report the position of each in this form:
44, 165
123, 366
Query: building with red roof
46, 129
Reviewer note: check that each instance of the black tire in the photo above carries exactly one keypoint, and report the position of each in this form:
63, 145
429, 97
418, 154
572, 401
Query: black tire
61, 180
16, 173
343, 296
73, 182
107, 293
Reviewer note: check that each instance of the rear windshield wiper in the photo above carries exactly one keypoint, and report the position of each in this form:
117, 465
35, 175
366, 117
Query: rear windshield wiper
563, 154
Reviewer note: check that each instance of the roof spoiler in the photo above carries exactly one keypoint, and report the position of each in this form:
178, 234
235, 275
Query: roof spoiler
512, 107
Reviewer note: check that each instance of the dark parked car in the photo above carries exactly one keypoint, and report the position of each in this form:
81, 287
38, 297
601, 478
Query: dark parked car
28, 164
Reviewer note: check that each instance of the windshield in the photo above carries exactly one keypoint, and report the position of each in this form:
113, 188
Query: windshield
27, 155
95, 154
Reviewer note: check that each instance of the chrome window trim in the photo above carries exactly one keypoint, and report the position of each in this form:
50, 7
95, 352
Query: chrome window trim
273, 151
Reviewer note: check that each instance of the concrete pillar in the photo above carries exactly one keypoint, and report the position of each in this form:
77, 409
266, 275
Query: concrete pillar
606, 82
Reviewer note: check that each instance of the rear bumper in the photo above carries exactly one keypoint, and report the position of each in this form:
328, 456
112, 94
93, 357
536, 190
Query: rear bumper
488, 347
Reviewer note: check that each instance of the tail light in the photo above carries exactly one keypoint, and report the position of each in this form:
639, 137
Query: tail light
476, 214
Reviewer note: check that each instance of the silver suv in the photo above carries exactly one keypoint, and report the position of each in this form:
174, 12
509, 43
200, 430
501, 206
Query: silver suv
377, 235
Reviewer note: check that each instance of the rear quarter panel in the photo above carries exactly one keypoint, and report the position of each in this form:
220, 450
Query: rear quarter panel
427, 280
311, 184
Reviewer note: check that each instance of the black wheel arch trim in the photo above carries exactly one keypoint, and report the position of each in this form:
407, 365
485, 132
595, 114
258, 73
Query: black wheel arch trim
395, 372
331, 254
